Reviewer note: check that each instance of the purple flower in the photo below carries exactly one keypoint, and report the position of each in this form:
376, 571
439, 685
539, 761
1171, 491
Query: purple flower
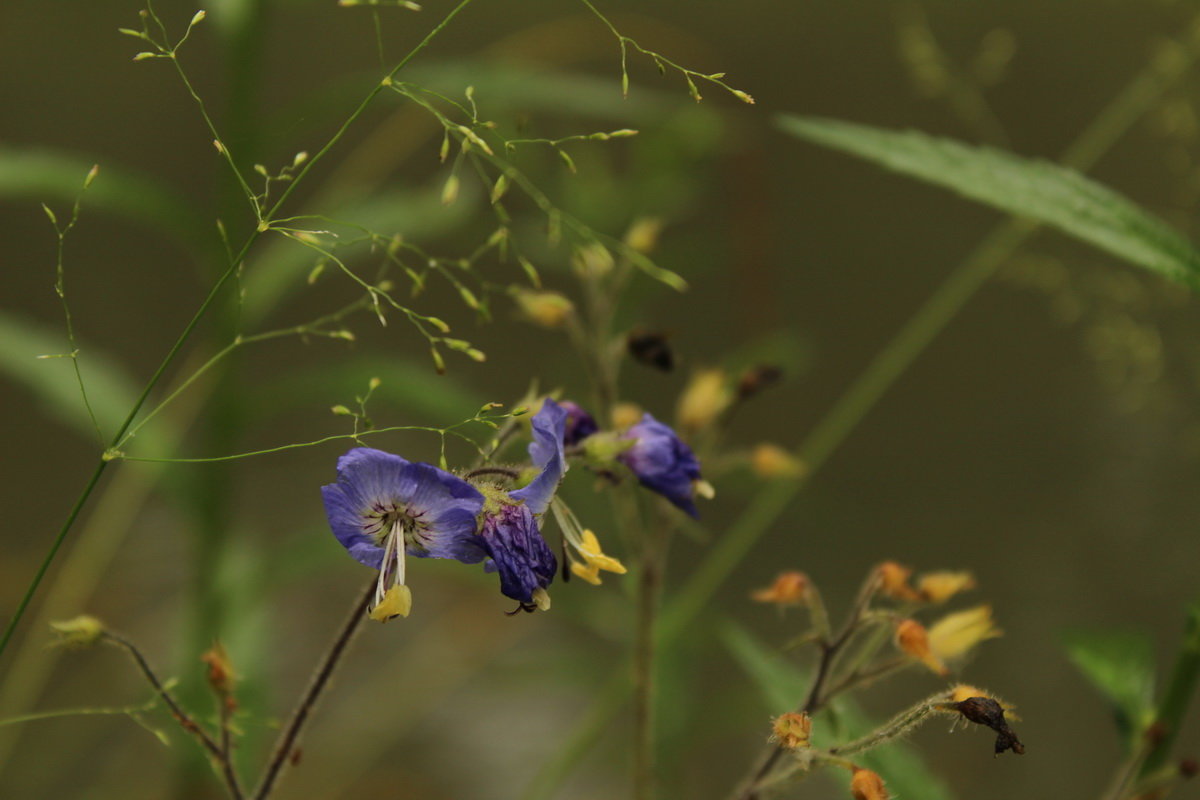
580, 424
662, 462
510, 533
384, 507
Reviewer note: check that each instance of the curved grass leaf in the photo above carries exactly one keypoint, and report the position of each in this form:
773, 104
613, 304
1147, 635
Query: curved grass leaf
41, 175
1031, 188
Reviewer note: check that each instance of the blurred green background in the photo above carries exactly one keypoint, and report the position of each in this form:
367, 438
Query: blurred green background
1048, 440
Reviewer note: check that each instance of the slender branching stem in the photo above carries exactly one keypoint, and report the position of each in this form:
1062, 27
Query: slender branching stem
818, 696
286, 743
234, 264
219, 754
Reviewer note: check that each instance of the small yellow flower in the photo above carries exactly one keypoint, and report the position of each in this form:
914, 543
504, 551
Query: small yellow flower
893, 579
938, 587
954, 635
867, 785
594, 560
772, 461
544, 308
791, 730
705, 397
912, 638
789, 589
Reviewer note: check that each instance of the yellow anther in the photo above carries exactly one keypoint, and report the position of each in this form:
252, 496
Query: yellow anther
397, 602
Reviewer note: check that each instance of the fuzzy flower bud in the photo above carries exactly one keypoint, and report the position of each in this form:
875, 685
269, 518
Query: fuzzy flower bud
789, 589
893, 581
867, 785
791, 730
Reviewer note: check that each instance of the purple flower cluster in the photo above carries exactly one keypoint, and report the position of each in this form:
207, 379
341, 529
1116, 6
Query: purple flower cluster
383, 508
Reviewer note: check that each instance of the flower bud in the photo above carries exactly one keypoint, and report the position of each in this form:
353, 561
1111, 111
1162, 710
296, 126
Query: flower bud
703, 400
867, 785
642, 235
82, 631
772, 461
912, 638
220, 670
544, 308
789, 589
625, 415
791, 730
893, 581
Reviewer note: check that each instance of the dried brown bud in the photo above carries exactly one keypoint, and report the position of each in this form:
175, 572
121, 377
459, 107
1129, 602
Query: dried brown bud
1189, 768
220, 670
652, 349
757, 378
986, 711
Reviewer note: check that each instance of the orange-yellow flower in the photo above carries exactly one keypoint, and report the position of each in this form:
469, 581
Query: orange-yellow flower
912, 638
893, 581
954, 635
789, 589
938, 587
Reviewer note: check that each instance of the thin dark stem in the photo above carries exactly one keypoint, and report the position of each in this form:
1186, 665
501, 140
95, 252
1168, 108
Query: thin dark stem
220, 754
288, 738
817, 696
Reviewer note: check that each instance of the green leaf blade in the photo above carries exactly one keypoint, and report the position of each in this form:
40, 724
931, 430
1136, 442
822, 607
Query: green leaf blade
1031, 188
1120, 665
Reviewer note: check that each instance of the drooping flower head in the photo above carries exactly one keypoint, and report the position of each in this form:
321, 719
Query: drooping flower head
384, 507
662, 462
510, 533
